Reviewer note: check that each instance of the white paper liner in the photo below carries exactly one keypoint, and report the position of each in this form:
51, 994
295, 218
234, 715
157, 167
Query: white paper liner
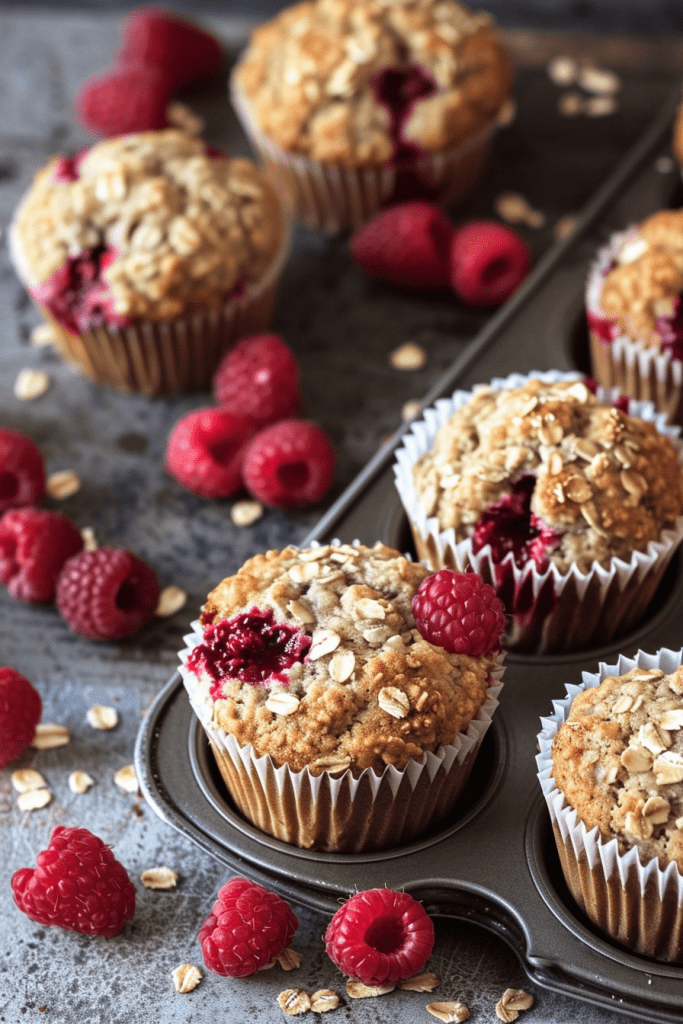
289, 804
590, 607
639, 904
646, 373
336, 198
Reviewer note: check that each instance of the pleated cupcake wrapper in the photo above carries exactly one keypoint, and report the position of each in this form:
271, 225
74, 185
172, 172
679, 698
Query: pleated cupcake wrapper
551, 611
646, 373
639, 905
337, 812
337, 198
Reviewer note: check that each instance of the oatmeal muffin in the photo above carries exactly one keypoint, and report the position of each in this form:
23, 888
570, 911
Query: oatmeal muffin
611, 766
149, 255
571, 507
354, 104
635, 314
335, 725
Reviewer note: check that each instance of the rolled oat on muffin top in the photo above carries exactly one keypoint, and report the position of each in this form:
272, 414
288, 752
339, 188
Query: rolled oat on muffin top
550, 473
313, 658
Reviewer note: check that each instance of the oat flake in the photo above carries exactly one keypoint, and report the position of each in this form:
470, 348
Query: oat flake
103, 718
564, 226
563, 70
62, 484
244, 513
289, 959
408, 357
358, 990
159, 878
125, 778
43, 336
294, 1001
186, 977
33, 799
448, 1012
323, 1000
171, 600
48, 735
571, 104
80, 782
427, 981
180, 116
411, 409
89, 539
31, 384
26, 779
511, 1003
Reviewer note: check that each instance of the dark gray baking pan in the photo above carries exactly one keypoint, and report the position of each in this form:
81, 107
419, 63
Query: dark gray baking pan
494, 861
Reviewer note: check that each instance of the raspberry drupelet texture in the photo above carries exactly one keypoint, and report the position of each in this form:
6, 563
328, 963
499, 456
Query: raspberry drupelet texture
106, 594
34, 545
488, 263
380, 936
289, 464
247, 927
459, 612
22, 471
205, 452
20, 711
77, 884
259, 380
407, 245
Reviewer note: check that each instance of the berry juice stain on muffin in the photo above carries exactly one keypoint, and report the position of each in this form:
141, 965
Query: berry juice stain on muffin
510, 525
77, 295
398, 89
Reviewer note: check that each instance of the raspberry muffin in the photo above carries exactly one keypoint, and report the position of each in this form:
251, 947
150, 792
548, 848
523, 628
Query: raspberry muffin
571, 507
354, 104
611, 769
334, 724
635, 313
149, 255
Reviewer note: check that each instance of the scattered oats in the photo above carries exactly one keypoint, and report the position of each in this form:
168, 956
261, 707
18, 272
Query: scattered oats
267, 967
102, 718
600, 106
563, 70
282, 703
564, 226
448, 1011
80, 782
31, 384
599, 81
180, 116
427, 981
664, 164
289, 959
33, 799
411, 409
186, 977
48, 735
511, 1003
323, 1000
159, 878
244, 513
171, 600
294, 1001
570, 104
89, 540
43, 336
358, 990
324, 643
62, 484
515, 209
125, 778
534, 218
26, 779
408, 357
394, 701
507, 113
342, 665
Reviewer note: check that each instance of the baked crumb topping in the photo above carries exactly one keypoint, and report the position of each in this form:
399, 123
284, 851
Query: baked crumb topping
618, 759
604, 483
180, 227
371, 691
366, 82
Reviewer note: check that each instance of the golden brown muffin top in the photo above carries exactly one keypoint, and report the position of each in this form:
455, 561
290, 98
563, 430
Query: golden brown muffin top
308, 76
371, 691
618, 759
186, 227
608, 483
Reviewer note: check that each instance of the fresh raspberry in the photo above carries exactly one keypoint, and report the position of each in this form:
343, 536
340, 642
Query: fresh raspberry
407, 245
107, 594
205, 452
34, 545
20, 711
22, 471
289, 464
78, 885
459, 612
184, 52
259, 380
380, 936
133, 98
246, 928
488, 262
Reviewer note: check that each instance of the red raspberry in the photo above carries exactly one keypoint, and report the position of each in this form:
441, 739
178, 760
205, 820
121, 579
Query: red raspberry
20, 711
407, 245
183, 51
459, 612
289, 464
34, 545
488, 263
133, 98
107, 594
22, 471
247, 927
205, 452
380, 936
78, 885
259, 380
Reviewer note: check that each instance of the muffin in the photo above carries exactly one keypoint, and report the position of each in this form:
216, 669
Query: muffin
334, 724
611, 769
635, 314
568, 505
354, 104
149, 255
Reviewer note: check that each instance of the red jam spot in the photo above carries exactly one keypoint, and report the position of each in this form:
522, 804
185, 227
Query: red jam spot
510, 525
398, 89
605, 329
66, 168
77, 296
251, 647
217, 153
670, 330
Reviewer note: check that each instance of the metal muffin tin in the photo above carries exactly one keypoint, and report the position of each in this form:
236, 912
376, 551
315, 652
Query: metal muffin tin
494, 862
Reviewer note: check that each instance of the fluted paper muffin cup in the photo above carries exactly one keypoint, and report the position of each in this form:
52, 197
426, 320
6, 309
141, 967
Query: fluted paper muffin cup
550, 611
645, 373
335, 198
341, 811
638, 904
